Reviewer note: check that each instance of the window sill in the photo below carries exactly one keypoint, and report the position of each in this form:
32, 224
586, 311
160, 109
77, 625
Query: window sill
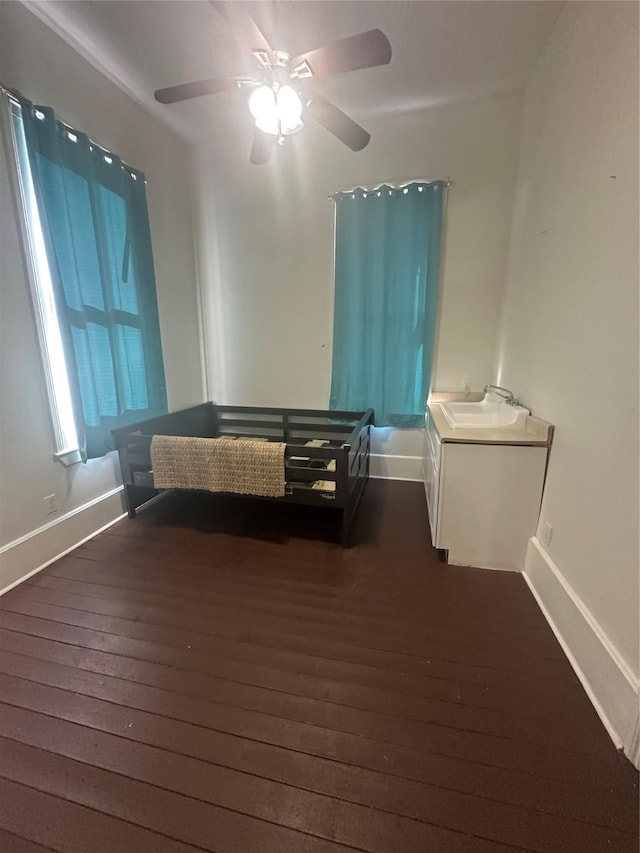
68, 457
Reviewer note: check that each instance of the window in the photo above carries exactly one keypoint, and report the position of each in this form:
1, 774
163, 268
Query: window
87, 245
387, 258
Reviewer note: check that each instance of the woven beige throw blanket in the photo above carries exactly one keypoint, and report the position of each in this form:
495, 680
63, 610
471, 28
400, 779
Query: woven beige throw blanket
218, 465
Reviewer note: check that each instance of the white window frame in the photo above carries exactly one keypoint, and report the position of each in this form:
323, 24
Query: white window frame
66, 444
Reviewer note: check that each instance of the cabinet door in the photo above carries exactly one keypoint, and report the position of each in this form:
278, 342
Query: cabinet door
489, 503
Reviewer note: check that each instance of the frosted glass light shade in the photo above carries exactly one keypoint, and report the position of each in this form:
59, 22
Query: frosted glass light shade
262, 102
268, 123
288, 105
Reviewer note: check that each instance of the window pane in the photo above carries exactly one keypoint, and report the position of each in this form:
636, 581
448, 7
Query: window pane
129, 349
121, 274
95, 372
73, 234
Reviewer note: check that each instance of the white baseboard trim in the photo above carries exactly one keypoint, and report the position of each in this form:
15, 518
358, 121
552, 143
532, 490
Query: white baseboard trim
606, 677
31, 553
388, 467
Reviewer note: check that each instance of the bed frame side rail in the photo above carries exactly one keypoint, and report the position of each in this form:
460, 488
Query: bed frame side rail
354, 472
133, 444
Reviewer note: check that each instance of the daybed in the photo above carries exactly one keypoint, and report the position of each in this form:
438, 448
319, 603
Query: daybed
326, 453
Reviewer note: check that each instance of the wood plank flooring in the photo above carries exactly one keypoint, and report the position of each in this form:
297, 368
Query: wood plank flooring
220, 675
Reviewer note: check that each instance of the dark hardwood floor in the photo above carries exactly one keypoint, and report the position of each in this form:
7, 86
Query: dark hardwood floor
219, 675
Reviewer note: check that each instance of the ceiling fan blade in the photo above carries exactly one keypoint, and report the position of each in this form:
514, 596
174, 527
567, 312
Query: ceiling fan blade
262, 147
243, 25
338, 123
364, 50
184, 91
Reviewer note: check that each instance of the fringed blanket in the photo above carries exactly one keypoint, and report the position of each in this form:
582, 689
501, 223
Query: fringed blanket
218, 465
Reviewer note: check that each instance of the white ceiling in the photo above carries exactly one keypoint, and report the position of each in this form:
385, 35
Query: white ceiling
443, 51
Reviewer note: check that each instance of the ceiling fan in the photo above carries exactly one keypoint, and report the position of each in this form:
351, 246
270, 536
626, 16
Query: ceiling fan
281, 94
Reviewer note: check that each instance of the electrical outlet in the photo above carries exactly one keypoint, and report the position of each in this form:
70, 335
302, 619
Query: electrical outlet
467, 386
50, 503
547, 533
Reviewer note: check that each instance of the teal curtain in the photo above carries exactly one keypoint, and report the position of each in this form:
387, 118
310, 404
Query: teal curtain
95, 222
387, 259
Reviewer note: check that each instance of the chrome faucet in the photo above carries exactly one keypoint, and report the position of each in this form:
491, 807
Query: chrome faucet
507, 395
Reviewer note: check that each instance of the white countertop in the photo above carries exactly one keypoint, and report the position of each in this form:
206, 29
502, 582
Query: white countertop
536, 432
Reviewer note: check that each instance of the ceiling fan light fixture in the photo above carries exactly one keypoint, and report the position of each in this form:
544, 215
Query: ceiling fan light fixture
276, 107
276, 111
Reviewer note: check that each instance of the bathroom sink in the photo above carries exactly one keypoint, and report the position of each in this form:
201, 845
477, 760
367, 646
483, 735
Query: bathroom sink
491, 412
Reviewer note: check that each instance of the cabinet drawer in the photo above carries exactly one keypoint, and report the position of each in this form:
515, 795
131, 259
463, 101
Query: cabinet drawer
432, 489
432, 439
431, 473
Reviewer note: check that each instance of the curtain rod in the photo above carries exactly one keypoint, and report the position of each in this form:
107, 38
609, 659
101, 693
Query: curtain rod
394, 185
10, 95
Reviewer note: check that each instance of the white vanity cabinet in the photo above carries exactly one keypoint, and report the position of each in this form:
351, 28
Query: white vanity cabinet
483, 495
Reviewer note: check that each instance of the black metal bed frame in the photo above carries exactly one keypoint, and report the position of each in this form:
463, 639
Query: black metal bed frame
344, 435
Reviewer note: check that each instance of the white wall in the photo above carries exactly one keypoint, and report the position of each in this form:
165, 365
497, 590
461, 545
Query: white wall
46, 70
570, 336
268, 271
